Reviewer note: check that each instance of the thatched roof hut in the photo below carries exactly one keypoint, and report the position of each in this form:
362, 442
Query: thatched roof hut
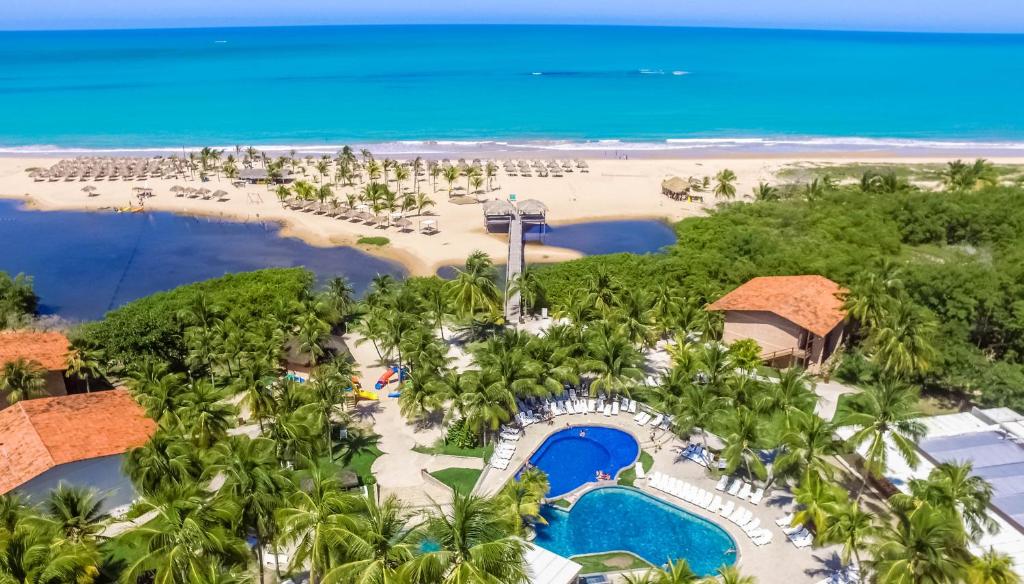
498, 208
675, 187
532, 208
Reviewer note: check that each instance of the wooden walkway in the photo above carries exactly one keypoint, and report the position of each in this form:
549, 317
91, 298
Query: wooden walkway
514, 267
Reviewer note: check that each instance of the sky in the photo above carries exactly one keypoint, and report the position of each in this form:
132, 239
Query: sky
998, 16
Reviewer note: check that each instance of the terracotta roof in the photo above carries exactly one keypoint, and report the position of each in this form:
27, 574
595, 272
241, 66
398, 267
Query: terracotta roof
39, 434
48, 349
809, 301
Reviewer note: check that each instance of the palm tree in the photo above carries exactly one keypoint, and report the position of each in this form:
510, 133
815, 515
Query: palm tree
851, 527
724, 186
473, 290
529, 287
613, 358
818, 499
377, 543
901, 343
451, 174
693, 407
423, 202
743, 433
166, 461
882, 413
473, 181
806, 444
85, 362
923, 547
401, 174
731, 575
74, 513
952, 486
674, 572
187, 532
22, 379
205, 416
490, 171
765, 192
30, 554
992, 567
521, 499
469, 542
253, 479
484, 406
312, 516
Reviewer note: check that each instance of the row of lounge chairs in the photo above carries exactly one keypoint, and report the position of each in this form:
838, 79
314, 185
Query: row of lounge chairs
741, 516
505, 448
740, 489
534, 410
798, 535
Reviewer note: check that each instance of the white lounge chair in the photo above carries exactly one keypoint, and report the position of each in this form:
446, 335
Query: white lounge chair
785, 521
727, 508
607, 410
657, 420
722, 482
802, 542
716, 504
752, 526
615, 408
640, 470
744, 493
735, 487
632, 406
637, 417
592, 405
756, 497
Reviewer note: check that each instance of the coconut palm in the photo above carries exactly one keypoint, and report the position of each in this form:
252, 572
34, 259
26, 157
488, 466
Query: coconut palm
473, 180
521, 499
851, 527
765, 192
743, 433
423, 202
691, 407
674, 572
731, 575
473, 290
901, 343
613, 359
311, 518
992, 567
923, 547
818, 499
451, 174
186, 532
724, 186
469, 542
806, 444
952, 486
167, 460
31, 554
85, 361
529, 287
634, 313
205, 416
376, 542
484, 406
882, 413
22, 379
75, 514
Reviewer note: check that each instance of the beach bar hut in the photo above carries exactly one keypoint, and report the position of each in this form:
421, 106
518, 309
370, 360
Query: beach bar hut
675, 188
533, 211
498, 212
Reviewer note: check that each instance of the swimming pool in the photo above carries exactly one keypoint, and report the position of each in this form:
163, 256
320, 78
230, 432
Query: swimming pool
572, 457
624, 519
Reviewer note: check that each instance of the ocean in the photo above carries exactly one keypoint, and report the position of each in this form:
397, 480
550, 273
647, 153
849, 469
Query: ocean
427, 88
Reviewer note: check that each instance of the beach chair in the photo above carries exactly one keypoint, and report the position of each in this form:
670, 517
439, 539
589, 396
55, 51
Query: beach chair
722, 483
735, 487
708, 500
644, 418
657, 420
785, 521
727, 508
761, 537
793, 529
607, 410
756, 497
802, 542
752, 527
592, 405
632, 406
716, 504
798, 533
745, 491
737, 514
640, 470
615, 408
637, 417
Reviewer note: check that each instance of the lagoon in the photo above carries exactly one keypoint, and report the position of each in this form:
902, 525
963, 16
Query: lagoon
86, 263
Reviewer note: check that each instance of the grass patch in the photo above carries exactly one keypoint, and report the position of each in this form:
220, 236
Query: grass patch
628, 476
609, 562
440, 447
562, 503
461, 480
361, 463
375, 240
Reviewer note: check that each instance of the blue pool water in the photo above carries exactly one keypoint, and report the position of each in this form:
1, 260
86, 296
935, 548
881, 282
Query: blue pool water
622, 519
84, 264
571, 460
604, 237
201, 87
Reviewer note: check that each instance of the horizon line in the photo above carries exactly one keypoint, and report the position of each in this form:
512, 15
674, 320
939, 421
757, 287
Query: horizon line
142, 28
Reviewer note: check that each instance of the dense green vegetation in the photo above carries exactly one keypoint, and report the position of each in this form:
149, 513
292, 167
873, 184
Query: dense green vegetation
461, 480
18, 302
956, 257
373, 241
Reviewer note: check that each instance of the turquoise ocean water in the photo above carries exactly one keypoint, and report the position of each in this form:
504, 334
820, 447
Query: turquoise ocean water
539, 86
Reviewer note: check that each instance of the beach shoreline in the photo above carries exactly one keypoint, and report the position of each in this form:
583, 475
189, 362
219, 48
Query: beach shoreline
612, 190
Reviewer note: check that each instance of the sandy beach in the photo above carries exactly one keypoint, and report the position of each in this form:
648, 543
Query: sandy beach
612, 189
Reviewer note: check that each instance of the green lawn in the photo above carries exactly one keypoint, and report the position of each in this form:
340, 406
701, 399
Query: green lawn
609, 562
377, 240
562, 503
450, 449
361, 463
628, 476
461, 480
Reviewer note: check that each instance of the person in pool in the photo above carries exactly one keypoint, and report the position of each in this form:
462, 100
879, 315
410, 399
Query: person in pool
583, 433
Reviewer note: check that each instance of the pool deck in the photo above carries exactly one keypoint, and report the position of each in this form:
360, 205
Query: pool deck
779, 561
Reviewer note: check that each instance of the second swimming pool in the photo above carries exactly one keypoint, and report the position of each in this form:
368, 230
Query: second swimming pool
572, 457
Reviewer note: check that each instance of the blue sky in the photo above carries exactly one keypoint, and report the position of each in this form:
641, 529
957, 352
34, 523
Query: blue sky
902, 15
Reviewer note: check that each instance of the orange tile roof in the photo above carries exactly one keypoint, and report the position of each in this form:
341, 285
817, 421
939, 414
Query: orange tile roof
39, 434
48, 349
811, 302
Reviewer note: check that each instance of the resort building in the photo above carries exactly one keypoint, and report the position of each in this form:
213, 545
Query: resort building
797, 320
992, 441
48, 350
77, 439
